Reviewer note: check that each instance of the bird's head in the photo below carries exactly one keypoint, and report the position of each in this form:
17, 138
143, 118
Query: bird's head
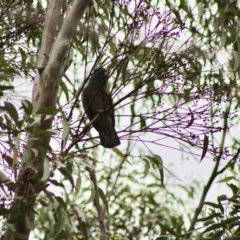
99, 77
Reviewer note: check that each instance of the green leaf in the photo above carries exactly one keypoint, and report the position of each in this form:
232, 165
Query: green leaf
143, 124
168, 229
191, 120
61, 202
214, 205
103, 197
46, 169
200, 7
147, 167
124, 70
223, 40
232, 171
60, 221
78, 185
27, 106
84, 229
66, 131
26, 157
93, 193
4, 88
205, 147
11, 111
56, 183
212, 216
35, 151
67, 173
217, 234
227, 179
65, 90
48, 132
208, 222
95, 6
213, 227
48, 111
130, 58
36, 121
15, 233
222, 197
10, 226
80, 213
231, 220
233, 187
158, 162
120, 154
236, 60
133, 114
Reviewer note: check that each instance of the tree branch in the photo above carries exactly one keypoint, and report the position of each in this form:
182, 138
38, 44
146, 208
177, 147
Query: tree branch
214, 174
45, 92
100, 210
49, 32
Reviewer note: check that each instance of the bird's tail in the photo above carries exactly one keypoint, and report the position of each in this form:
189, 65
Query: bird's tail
109, 140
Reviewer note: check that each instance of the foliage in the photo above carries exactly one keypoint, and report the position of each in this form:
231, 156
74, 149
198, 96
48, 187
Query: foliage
172, 76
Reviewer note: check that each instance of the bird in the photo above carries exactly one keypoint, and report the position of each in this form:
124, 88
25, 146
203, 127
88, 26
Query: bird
96, 99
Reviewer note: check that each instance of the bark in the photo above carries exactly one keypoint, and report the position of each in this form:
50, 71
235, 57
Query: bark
45, 91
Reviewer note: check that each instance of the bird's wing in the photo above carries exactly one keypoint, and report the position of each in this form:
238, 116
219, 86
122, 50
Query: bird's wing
88, 98
109, 104
93, 100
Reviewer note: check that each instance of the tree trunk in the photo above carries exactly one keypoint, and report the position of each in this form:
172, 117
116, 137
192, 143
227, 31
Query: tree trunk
45, 91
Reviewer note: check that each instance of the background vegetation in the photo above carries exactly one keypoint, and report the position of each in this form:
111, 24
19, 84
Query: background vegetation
174, 77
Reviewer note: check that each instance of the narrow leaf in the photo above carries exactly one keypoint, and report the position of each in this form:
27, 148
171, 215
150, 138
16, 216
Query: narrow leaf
236, 60
212, 216
124, 70
60, 221
147, 167
84, 229
27, 106
79, 213
78, 185
226, 179
191, 120
35, 151
160, 168
213, 227
103, 197
46, 169
223, 39
214, 205
205, 147
65, 90
26, 156
200, 7
120, 154
67, 172
36, 121
142, 122
222, 197
66, 131
93, 193
11, 111
48, 111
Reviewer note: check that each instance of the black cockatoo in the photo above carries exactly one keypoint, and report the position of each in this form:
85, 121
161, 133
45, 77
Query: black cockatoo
97, 99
